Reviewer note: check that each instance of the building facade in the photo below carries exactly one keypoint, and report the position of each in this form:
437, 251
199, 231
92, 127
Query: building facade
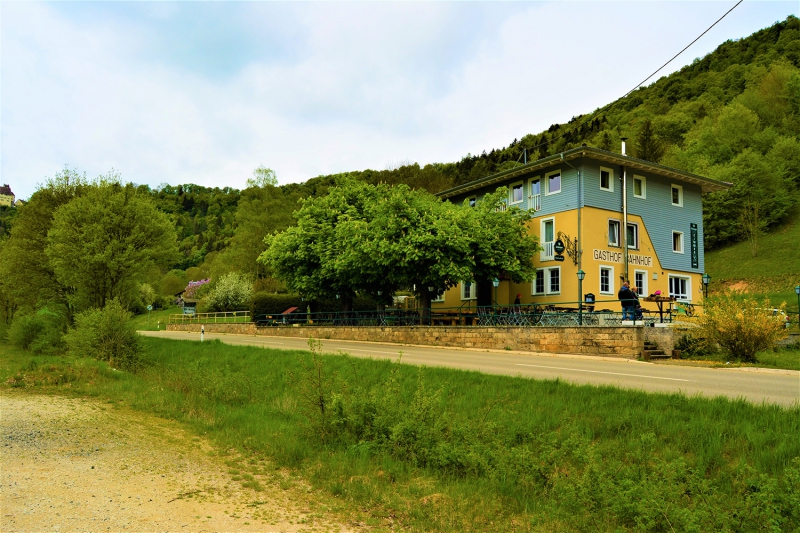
618, 218
6, 196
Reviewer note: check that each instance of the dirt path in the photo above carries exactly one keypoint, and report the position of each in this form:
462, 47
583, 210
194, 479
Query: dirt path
81, 465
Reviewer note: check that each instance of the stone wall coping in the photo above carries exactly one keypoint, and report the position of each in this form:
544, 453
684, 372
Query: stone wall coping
550, 340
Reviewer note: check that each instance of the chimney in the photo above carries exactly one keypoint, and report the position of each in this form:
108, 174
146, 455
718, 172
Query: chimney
623, 145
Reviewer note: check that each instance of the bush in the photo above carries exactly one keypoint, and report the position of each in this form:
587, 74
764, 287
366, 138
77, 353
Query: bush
106, 335
694, 346
41, 332
740, 326
24, 329
231, 292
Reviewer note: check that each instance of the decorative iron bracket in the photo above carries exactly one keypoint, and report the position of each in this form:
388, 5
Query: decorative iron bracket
570, 245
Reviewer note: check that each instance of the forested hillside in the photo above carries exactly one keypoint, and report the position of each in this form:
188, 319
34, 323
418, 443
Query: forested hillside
733, 115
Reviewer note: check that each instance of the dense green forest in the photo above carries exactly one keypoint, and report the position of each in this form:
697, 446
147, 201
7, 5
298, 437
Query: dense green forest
733, 115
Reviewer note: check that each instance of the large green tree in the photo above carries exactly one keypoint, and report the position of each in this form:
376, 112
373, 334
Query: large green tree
369, 239
26, 273
102, 244
315, 257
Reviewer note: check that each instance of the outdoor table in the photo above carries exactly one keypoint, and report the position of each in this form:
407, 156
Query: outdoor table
659, 300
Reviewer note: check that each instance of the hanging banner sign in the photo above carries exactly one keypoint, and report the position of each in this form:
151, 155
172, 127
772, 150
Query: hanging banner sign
695, 252
613, 256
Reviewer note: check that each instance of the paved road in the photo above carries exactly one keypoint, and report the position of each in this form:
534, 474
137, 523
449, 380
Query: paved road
757, 385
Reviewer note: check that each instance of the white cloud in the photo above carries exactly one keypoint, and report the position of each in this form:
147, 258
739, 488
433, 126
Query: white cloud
317, 88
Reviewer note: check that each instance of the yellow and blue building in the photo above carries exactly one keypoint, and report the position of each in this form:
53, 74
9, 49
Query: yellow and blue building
618, 217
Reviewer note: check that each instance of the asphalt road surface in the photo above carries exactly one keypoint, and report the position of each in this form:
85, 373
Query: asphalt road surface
756, 385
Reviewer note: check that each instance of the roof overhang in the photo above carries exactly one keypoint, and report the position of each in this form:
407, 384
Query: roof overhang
707, 184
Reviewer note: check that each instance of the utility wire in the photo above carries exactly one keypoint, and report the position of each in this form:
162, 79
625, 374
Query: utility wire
682, 51
545, 143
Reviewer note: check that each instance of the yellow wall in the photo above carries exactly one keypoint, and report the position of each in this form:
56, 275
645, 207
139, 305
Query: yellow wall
595, 237
6, 200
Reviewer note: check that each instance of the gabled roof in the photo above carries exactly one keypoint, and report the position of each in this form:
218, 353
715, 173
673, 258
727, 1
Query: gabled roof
6, 190
707, 184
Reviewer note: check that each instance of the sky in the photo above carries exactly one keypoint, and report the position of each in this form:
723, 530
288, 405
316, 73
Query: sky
205, 92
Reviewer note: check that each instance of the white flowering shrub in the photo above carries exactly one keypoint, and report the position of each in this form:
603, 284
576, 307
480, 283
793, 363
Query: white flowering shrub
232, 292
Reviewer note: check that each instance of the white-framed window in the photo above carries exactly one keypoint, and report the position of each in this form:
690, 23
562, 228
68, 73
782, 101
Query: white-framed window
537, 287
553, 180
535, 196
676, 193
613, 232
639, 186
677, 242
633, 235
472, 201
680, 287
640, 282
548, 239
516, 193
606, 179
554, 280
606, 280
468, 290
547, 281
438, 298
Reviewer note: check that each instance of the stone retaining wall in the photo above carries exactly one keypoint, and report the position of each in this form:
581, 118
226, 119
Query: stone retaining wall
589, 340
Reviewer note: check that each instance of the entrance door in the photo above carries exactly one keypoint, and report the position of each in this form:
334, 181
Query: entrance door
485, 289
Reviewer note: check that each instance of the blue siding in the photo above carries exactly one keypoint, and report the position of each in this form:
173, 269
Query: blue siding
593, 195
550, 203
660, 217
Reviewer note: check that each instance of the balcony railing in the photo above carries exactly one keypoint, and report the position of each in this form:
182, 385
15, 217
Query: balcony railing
535, 202
547, 253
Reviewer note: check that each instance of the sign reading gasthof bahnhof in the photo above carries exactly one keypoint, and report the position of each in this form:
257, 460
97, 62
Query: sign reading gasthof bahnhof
616, 257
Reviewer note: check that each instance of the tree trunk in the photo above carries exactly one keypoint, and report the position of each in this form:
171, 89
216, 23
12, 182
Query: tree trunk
425, 306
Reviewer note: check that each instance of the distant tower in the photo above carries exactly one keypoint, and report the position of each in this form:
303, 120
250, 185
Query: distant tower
6, 196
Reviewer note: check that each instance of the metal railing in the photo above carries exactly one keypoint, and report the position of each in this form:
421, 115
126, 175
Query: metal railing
551, 314
535, 202
229, 317
535, 314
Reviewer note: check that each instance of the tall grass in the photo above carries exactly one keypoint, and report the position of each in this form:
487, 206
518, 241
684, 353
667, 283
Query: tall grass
431, 449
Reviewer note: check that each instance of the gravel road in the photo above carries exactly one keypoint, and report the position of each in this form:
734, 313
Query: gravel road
82, 465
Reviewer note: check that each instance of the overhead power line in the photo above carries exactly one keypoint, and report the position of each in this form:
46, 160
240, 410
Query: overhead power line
659, 69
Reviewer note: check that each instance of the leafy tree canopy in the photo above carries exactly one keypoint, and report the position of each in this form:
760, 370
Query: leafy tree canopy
364, 239
102, 244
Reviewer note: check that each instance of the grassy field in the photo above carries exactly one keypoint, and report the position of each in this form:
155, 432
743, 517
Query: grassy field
424, 449
156, 319
780, 358
773, 272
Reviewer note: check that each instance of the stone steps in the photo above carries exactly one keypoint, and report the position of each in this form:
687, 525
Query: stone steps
651, 351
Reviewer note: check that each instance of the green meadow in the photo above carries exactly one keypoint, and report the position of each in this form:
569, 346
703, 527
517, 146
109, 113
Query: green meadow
772, 273
429, 449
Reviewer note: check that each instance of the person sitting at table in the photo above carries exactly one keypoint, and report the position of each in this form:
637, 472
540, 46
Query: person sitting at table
517, 299
638, 312
628, 301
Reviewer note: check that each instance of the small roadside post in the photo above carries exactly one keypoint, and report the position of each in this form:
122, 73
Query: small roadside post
202, 332
149, 308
